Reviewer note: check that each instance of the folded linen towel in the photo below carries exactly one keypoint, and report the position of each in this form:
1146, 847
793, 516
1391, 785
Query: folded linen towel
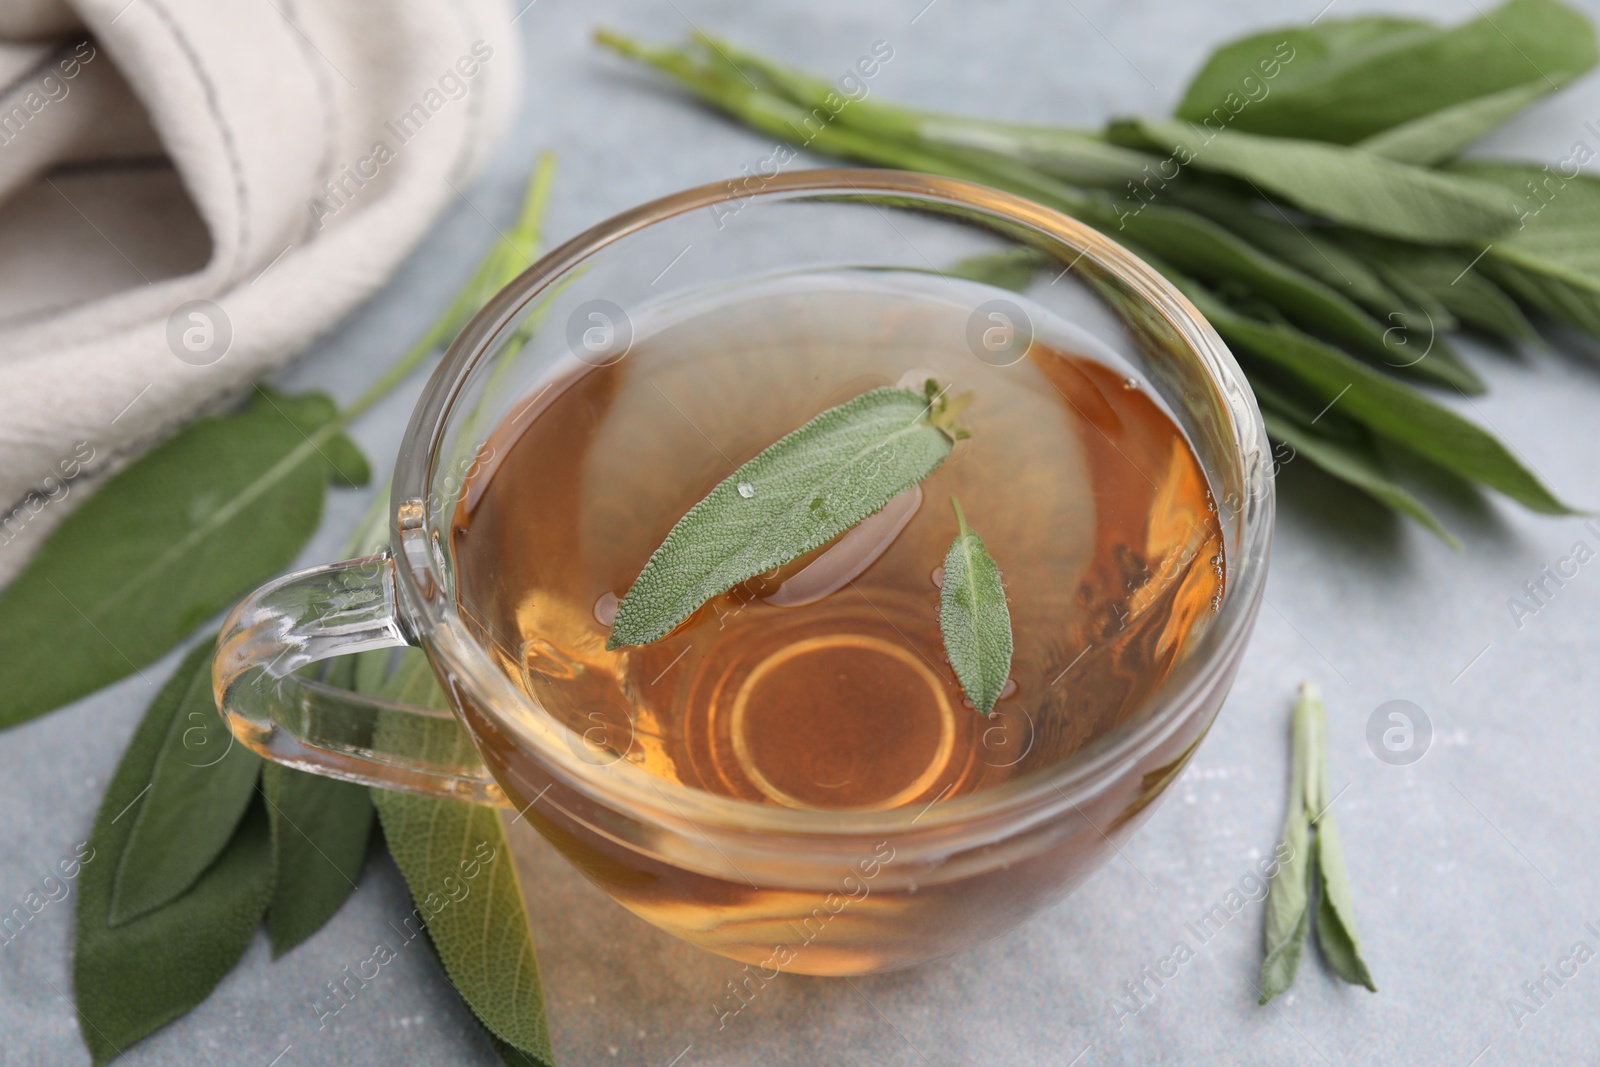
192, 190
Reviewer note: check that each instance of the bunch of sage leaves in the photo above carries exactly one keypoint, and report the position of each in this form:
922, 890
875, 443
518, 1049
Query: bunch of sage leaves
1308, 197
202, 839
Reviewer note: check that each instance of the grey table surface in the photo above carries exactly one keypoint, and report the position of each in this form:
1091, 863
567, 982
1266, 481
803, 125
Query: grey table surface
1473, 868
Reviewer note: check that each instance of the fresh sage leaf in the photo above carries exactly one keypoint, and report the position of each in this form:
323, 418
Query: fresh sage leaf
1387, 408
1336, 935
1335, 923
132, 978
1347, 185
1288, 918
1307, 248
320, 828
1441, 135
457, 862
165, 543
796, 494
974, 618
1453, 280
1311, 250
199, 787
1552, 261
1356, 465
1192, 243
1288, 913
1346, 80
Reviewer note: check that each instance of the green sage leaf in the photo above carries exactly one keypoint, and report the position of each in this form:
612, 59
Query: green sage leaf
1451, 278
1347, 185
1441, 135
132, 978
1552, 261
1336, 932
1386, 407
168, 541
796, 494
1194, 244
1307, 248
1335, 922
198, 790
974, 618
1288, 913
457, 862
1288, 916
320, 828
1357, 465
1346, 80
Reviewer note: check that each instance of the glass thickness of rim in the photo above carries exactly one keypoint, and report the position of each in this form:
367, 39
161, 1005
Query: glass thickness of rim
1188, 365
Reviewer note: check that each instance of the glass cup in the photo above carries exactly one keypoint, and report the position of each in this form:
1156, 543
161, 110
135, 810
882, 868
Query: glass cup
818, 892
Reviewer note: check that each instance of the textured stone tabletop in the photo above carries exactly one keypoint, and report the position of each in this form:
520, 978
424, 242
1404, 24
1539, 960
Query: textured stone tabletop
1473, 868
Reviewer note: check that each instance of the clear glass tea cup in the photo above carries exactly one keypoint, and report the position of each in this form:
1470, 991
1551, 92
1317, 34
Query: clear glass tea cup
782, 888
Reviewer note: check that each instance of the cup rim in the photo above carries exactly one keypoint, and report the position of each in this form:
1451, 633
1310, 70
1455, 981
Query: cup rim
431, 614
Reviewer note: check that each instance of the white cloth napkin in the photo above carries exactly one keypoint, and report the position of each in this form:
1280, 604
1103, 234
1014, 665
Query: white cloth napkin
274, 159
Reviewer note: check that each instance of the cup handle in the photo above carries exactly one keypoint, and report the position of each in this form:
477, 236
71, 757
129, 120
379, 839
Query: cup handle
325, 612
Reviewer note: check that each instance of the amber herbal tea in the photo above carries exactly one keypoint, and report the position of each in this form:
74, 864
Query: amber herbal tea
824, 682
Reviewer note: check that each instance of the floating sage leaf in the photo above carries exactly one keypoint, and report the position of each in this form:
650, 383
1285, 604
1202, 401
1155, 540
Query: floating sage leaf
1348, 185
320, 828
974, 618
798, 493
458, 865
166, 542
199, 787
132, 978
1343, 80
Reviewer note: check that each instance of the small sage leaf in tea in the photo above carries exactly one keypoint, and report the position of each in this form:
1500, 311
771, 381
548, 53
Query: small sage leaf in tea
974, 618
795, 495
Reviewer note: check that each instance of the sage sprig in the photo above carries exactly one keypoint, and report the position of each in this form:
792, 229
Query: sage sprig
1312, 870
974, 618
1319, 219
797, 494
